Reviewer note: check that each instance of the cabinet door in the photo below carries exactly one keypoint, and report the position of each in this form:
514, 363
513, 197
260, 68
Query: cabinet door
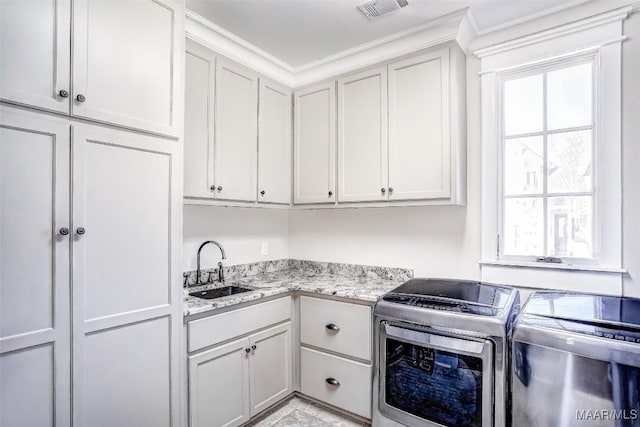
274, 144
34, 65
127, 297
362, 137
219, 386
127, 61
198, 121
419, 129
315, 144
271, 367
236, 137
34, 270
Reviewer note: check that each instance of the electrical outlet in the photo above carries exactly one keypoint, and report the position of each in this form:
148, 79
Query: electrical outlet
264, 250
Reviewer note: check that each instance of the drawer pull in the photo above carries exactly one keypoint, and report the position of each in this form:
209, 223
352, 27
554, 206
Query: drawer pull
332, 327
332, 381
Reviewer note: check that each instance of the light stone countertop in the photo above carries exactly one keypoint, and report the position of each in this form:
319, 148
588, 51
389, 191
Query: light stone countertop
312, 280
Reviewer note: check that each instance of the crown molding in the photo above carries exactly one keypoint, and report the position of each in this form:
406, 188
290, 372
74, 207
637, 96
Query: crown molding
589, 23
456, 26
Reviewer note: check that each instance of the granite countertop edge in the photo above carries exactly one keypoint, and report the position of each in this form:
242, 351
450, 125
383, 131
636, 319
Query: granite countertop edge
266, 285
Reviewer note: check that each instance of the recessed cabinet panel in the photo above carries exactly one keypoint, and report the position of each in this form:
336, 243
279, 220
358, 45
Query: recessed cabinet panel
218, 386
124, 380
198, 123
419, 128
34, 65
27, 395
271, 370
124, 66
362, 137
314, 150
274, 144
134, 182
235, 155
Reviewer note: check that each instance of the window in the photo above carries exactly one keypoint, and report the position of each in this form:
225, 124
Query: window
548, 143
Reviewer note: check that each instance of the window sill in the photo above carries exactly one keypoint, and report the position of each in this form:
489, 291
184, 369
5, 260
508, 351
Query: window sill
552, 266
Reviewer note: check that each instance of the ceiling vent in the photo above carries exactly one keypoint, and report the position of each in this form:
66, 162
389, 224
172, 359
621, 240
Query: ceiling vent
374, 9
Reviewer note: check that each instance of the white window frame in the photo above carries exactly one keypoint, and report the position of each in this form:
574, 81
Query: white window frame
546, 67
599, 37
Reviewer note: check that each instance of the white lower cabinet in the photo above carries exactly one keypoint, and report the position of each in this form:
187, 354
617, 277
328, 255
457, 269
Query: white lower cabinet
335, 355
230, 383
338, 381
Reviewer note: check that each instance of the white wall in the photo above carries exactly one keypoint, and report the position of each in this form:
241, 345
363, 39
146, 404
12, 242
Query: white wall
631, 155
241, 231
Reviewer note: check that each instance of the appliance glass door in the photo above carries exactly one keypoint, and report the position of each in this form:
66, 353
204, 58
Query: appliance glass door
443, 380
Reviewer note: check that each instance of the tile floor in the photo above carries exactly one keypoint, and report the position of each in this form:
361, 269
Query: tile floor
297, 412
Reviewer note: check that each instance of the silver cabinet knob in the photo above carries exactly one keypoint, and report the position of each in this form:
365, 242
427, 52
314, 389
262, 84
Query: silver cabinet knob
219, 187
383, 190
64, 231
213, 188
332, 327
390, 189
81, 98
253, 347
63, 94
80, 231
247, 350
262, 193
332, 381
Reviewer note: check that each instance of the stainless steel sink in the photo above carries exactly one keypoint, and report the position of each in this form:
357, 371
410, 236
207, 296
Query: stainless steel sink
223, 291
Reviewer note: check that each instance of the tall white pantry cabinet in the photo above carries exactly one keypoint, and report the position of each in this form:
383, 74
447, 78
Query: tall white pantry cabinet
90, 212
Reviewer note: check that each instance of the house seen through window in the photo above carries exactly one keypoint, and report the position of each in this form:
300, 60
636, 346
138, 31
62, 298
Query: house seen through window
548, 146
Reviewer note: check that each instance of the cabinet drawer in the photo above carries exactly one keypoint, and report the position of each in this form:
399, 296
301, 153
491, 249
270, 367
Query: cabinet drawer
353, 391
353, 336
222, 327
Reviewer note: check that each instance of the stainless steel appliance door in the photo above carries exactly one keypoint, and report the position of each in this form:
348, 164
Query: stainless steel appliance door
558, 388
428, 378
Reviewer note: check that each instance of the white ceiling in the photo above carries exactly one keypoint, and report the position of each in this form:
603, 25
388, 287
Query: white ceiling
299, 32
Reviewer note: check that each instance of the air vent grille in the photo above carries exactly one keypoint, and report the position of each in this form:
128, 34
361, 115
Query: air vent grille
374, 9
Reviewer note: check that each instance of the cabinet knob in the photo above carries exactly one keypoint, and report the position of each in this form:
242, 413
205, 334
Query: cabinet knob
63, 94
330, 193
332, 381
247, 350
390, 189
253, 347
332, 327
64, 231
80, 231
219, 188
262, 193
213, 188
81, 98
383, 190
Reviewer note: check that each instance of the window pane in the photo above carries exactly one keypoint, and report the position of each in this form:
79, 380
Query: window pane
570, 162
523, 172
523, 226
523, 105
570, 226
569, 97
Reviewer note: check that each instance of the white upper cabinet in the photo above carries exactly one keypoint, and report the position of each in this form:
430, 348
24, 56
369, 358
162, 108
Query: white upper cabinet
200, 70
315, 144
274, 143
34, 65
126, 63
419, 128
235, 154
126, 60
362, 137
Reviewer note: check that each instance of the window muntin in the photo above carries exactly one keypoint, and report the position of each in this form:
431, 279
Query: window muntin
548, 145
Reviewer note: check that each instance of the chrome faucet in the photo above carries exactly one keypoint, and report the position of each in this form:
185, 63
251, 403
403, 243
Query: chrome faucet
220, 270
